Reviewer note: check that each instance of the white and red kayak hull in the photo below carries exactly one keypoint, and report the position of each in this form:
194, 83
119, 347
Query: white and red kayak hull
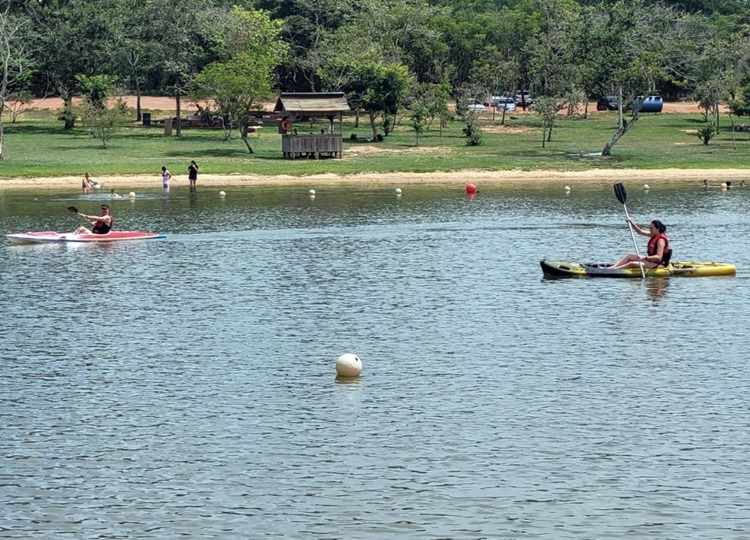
46, 237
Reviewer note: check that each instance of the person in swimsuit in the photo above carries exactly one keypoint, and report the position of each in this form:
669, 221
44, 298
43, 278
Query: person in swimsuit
87, 184
166, 176
102, 224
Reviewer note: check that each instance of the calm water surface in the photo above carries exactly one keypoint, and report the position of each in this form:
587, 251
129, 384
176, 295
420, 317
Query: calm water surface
186, 387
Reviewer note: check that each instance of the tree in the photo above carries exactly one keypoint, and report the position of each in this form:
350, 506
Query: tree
418, 120
639, 47
554, 56
102, 119
72, 38
181, 34
433, 97
133, 55
17, 102
240, 83
381, 88
496, 74
308, 27
739, 107
547, 109
15, 66
405, 34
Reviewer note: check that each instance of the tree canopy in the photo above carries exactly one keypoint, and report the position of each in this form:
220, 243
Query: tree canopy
376, 51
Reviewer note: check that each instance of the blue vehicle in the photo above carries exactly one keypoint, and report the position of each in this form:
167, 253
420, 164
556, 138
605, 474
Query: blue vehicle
650, 104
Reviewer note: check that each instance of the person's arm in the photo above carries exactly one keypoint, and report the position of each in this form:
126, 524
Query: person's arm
94, 219
637, 229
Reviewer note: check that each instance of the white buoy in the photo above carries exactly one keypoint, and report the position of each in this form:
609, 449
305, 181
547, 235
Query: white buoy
311, 192
398, 191
645, 186
567, 188
348, 365
131, 194
222, 194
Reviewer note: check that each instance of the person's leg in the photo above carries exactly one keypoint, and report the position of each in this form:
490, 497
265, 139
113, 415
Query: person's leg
626, 260
631, 260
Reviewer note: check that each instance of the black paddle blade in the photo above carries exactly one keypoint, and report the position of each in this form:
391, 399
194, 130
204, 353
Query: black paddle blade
73, 209
620, 193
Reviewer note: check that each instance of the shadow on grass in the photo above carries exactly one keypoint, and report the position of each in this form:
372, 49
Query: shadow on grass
25, 129
214, 152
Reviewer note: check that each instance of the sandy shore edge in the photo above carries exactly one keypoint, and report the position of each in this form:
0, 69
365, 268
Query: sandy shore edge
128, 182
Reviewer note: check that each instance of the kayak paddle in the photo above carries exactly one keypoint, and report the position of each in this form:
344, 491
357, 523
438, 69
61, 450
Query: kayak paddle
622, 197
73, 209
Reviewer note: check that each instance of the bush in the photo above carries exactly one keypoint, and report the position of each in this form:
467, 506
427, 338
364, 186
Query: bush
473, 134
707, 133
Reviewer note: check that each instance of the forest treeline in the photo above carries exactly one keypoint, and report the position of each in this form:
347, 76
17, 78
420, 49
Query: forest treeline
385, 54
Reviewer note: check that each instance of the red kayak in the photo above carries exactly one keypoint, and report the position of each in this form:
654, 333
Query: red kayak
52, 236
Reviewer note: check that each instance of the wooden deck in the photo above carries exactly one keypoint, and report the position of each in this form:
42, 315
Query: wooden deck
312, 146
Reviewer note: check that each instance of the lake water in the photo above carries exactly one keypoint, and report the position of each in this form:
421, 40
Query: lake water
186, 387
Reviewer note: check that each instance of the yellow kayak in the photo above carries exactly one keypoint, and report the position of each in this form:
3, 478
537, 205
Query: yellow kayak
677, 269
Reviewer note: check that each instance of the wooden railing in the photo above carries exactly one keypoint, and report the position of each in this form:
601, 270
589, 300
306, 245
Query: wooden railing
312, 146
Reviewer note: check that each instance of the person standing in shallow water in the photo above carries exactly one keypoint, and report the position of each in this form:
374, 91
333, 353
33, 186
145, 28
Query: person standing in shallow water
166, 176
193, 174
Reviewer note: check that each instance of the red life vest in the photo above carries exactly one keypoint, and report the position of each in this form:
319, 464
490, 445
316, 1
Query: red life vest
102, 228
652, 245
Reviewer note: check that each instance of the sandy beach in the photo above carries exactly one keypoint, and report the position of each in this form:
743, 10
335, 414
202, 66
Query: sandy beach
600, 176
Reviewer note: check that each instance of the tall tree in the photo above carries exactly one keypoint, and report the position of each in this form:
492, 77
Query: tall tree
69, 33
182, 34
15, 65
382, 89
307, 23
132, 56
245, 78
639, 51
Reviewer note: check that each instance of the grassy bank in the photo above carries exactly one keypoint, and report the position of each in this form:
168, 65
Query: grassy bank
37, 146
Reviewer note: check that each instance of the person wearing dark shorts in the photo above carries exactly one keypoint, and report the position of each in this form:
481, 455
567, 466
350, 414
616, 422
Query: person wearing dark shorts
193, 174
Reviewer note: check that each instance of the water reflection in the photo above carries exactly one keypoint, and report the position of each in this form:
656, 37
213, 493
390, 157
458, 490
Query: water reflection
657, 288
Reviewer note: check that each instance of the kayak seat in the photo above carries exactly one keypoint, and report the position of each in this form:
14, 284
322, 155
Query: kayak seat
665, 260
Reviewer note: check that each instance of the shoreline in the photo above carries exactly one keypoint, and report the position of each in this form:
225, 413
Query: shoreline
127, 182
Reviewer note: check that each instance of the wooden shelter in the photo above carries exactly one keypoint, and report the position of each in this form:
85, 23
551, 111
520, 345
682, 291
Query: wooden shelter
298, 107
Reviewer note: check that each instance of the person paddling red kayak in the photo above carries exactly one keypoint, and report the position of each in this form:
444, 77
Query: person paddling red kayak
102, 224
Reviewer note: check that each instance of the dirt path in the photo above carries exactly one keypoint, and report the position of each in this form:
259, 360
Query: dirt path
168, 103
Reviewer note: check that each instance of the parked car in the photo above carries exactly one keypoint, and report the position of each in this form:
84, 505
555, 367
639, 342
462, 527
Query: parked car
504, 102
607, 103
523, 97
475, 105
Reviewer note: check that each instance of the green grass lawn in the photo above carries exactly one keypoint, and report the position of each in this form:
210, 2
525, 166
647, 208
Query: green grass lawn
37, 146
